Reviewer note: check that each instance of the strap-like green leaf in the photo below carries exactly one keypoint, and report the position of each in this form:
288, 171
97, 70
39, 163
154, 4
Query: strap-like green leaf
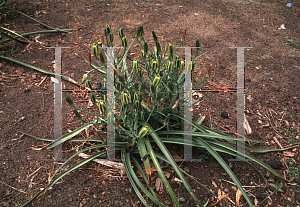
167, 154
68, 136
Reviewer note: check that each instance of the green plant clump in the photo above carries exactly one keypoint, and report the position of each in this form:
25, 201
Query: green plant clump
149, 105
292, 134
294, 173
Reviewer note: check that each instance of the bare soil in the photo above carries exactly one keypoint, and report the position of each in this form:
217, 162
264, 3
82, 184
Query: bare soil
272, 88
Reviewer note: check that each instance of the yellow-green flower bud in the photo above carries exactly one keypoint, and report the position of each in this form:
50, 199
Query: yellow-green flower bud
94, 49
170, 49
110, 117
138, 31
193, 64
129, 97
124, 42
159, 60
99, 43
84, 78
158, 48
140, 73
93, 97
137, 104
142, 32
102, 106
153, 64
146, 48
125, 98
102, 59
154, 36
170, 57
121, 33
119, 86
135, 65
99, 85
170, 65
107, 30
122, 108
181, 66
136, 96
89, 84
111, 37
143, 54
156, 80
143, 131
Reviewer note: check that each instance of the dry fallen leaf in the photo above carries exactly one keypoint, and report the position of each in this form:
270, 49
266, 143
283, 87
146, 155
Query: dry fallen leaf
221, 195
289, 154
158, 185
247, 127
214, 184
237, 197
255, 202
265, 125
167, 174
177, 180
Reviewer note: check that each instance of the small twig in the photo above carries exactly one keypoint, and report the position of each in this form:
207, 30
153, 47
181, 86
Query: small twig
258, 186
281, 119
210, 118
33, 173
269, 196
16, 138
285, 195
271, 124
42, 80
277, 142
275, 99
43, 100
13, 187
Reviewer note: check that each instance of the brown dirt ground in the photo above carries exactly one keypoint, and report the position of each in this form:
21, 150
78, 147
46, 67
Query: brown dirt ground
272, 73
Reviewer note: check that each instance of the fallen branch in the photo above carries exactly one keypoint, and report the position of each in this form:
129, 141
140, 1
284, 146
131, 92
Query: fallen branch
39, 69
105, 162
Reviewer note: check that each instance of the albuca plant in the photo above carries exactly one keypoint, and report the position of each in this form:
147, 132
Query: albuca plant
149, 112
